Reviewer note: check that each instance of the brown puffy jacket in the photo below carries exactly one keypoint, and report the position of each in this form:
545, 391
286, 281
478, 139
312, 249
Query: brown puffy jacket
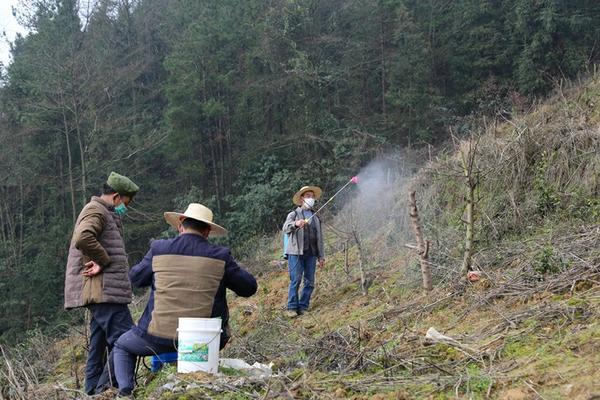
98, 236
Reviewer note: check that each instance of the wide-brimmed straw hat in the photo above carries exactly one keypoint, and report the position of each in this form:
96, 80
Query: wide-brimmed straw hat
315, 189
199, 213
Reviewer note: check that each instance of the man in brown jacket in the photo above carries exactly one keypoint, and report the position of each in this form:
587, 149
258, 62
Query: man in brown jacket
96, 276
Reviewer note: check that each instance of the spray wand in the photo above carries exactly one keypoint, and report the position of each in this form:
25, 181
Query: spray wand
354, 180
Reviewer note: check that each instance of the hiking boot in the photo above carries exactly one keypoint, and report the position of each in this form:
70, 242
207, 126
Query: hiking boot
302, 312
291, 313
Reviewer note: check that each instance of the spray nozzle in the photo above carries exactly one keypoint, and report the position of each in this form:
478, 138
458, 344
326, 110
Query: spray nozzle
354, 179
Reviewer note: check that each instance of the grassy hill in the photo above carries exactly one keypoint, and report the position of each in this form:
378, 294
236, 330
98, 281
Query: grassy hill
530, 328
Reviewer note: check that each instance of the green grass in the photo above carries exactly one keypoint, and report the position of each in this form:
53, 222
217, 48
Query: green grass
155, 380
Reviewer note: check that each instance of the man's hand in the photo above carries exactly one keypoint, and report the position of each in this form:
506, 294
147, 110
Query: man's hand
91, 269
321, 262
300, 223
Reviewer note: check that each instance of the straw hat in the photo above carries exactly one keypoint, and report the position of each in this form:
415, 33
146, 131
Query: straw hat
315, 189
199, 213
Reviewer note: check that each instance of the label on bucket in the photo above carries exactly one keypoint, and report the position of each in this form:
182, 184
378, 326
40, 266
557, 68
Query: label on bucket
194, 352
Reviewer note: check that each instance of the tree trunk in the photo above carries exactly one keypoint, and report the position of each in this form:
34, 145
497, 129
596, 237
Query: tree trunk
364, 285
382, 50
221, 155
215, 175
229, 157
62, 209
468, 166
70, 163
11, 229
469, 222
346, 264
422, 245
8, 222
21, 222
2, 223
81, 156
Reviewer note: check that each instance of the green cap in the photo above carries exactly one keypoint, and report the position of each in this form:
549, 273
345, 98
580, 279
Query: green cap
122, 184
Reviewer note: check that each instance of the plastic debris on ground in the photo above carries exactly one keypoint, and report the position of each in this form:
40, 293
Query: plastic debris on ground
257, 369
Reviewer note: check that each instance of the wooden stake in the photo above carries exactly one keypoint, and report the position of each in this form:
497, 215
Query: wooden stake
346, 265
422, 245
364, 285
470, 175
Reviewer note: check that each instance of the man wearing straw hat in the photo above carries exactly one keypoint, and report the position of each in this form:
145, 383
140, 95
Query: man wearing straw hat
188, 277
96, 275
304, 248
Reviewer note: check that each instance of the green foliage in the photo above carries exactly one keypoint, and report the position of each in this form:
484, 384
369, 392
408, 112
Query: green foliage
550, 34
583, 207
478, 381
520, 347
547, 262
262, 199
158, 379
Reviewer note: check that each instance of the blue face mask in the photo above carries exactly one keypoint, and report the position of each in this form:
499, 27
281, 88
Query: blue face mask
121, 209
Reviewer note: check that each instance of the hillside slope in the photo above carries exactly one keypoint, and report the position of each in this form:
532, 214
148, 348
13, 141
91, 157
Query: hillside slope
530, 328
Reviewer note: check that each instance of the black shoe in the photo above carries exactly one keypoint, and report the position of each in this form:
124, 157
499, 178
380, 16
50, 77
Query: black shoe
124, 395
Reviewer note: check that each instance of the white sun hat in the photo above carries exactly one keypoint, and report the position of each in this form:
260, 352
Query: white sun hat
199, 213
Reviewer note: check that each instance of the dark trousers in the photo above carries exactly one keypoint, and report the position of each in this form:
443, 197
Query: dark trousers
127, 349
108, 322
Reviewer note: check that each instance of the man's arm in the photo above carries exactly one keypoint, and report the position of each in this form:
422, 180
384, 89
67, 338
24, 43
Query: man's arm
140, 274
289, 225
239, 280
86, 238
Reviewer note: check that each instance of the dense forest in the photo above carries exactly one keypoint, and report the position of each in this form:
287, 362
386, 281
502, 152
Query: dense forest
235, 103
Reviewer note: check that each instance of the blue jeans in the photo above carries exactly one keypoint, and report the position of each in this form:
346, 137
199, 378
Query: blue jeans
108, 322
301, 267
127, 349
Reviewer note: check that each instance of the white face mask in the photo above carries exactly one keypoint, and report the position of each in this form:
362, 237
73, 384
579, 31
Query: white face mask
310, 202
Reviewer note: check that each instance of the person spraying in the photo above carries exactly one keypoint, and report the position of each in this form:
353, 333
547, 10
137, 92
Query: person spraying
303, 245
354, 180
304, 248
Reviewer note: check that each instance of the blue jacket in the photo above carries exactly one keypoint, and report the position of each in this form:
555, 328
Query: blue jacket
188, 277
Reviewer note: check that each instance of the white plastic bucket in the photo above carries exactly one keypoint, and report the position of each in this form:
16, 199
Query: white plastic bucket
198, 344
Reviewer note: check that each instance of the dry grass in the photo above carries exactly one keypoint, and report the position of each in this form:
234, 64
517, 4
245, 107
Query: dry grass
537, 246
529, 328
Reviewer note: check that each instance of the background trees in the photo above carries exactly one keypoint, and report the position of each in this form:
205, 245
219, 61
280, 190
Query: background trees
237, 102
